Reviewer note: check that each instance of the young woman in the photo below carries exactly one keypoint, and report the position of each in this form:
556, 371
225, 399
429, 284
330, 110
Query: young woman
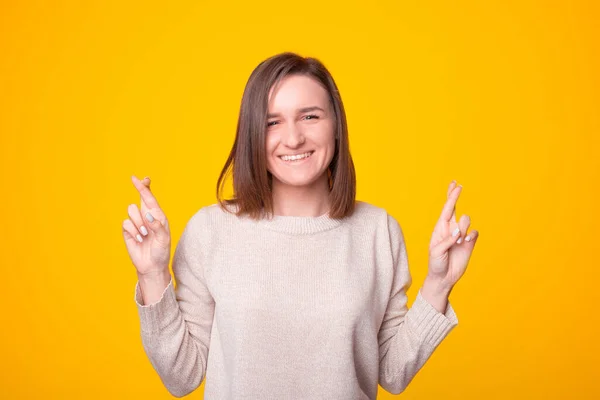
292, 289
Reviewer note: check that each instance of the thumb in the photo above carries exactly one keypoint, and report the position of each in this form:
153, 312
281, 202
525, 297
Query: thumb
157, 227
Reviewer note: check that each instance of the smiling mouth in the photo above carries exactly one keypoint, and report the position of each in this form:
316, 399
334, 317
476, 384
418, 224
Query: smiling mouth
296, 158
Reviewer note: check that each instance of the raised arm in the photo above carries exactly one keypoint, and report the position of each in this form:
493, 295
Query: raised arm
176, 329
175, 322
407, 337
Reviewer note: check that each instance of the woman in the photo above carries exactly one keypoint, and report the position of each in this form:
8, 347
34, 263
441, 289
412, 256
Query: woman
292, 289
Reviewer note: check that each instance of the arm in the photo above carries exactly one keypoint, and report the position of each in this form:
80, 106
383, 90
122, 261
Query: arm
152, 287
408, 337
176, 328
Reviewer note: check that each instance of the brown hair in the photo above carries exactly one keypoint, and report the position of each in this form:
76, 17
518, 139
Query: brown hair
251, 179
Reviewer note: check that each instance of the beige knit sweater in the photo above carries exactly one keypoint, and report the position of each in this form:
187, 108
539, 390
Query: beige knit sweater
290, 308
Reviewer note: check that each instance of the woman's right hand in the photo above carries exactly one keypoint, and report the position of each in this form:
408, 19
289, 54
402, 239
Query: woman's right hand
150, 256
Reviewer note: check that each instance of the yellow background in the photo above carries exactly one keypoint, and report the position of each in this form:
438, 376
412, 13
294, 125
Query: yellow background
501, 95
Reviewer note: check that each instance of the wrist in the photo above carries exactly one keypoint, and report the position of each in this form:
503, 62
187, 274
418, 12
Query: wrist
435, 294
155, 276
152, 286
436, 290
437, 287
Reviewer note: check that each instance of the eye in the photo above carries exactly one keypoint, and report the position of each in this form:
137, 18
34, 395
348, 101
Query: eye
312, 116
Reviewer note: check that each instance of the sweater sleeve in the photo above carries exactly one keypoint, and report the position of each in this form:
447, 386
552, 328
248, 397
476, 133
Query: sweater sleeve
175, 330
407, 337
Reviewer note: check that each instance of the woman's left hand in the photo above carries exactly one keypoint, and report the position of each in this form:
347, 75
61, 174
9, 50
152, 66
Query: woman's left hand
449, 255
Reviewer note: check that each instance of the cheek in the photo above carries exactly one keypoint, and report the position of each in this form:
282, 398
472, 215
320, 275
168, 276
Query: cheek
321, 133
270, 145
326, 137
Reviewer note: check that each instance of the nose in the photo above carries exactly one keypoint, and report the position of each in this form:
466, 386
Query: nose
293, 136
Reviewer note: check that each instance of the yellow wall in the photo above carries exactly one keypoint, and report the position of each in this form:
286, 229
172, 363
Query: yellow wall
501, 95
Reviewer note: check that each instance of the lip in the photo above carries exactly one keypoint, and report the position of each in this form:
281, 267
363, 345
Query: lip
295, 154
296, 162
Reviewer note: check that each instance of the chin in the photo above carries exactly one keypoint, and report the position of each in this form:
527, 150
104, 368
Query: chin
296, 182
285, 179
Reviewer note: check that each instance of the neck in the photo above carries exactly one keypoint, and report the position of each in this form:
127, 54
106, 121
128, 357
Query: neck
302, 201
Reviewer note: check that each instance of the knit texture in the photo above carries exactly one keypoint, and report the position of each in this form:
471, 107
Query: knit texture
290, 308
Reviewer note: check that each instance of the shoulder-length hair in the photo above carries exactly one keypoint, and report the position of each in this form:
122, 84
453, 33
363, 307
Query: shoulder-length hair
252, 182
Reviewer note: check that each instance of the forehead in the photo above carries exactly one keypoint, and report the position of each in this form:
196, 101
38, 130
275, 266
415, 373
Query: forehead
297, 91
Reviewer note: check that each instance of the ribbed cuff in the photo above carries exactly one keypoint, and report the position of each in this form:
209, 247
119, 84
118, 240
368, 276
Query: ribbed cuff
429, 324
155, 316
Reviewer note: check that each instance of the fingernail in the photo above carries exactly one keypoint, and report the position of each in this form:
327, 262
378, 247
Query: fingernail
455, 232
150, 217
468, 238
138, 237
459, 240
144, 230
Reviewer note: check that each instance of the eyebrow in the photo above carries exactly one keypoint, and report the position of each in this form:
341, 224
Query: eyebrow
304, 109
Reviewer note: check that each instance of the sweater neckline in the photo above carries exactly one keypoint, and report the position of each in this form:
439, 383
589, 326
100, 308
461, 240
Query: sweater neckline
299, 225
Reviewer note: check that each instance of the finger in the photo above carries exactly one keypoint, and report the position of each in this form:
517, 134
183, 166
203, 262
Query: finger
130, 232
472, 236
156, 211
463, 225
445, 244
143, 206
145, 193
136, 217
449, 208
160, 231
450, 188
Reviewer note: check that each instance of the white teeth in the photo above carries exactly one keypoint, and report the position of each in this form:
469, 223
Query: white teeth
296, 157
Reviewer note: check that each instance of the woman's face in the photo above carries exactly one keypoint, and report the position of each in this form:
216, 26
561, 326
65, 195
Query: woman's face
300, 120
